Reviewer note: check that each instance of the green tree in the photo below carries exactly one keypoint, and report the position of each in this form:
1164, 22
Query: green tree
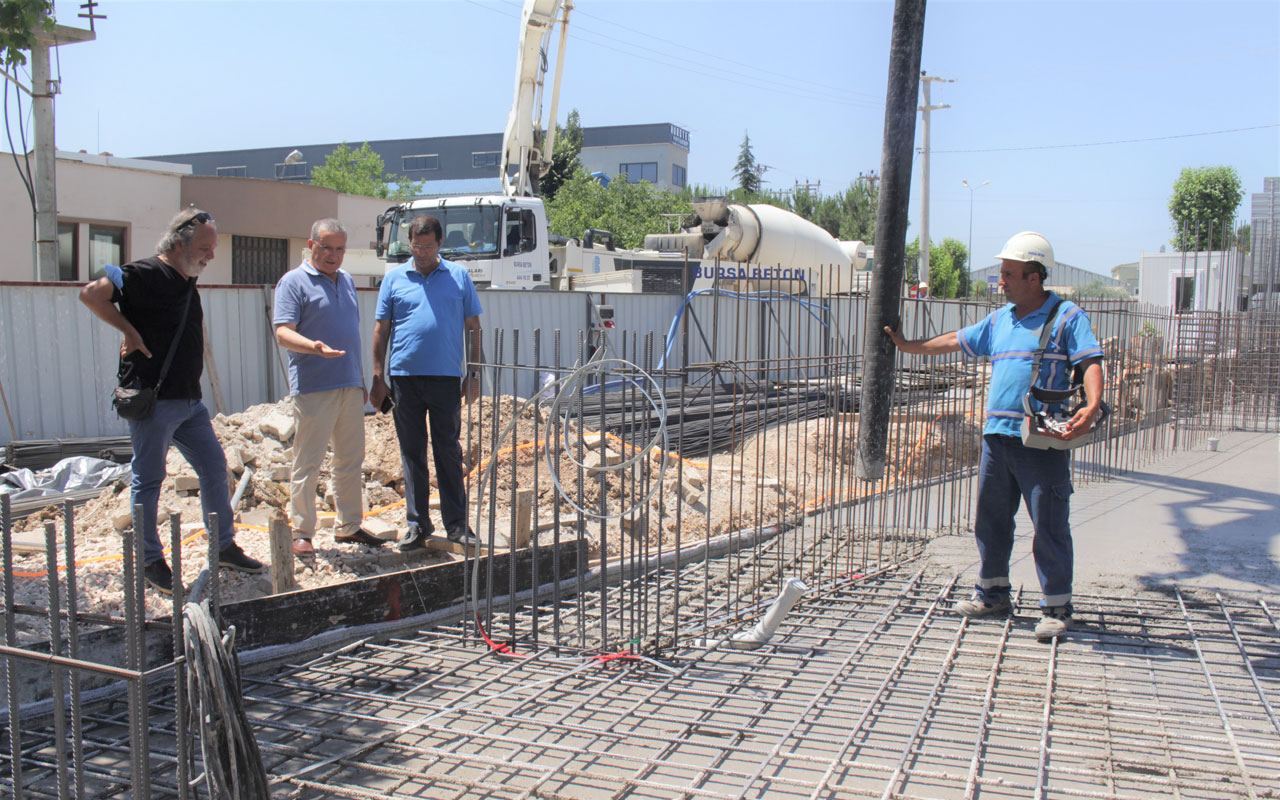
565, 161
746, 170
858, 206
361, 171
1203, 205
948, 267
627, 210
19, 21
1244, 238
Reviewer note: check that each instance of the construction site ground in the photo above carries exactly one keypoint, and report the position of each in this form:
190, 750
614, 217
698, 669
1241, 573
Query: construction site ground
1168, 685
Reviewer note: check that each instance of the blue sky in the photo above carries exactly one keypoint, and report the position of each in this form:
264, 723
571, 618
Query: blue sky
1133, 81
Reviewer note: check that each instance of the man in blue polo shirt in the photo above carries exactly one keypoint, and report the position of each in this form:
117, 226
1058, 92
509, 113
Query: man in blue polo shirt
317, 320
429, 315
1010, 470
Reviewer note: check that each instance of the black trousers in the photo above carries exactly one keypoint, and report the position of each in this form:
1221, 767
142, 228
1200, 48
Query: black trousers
437, 400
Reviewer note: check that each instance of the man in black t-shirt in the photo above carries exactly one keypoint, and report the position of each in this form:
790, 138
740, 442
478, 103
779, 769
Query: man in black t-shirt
145, 301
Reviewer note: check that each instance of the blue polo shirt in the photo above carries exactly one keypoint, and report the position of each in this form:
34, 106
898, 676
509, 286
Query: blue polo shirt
427, 315
322, 309
1011, 344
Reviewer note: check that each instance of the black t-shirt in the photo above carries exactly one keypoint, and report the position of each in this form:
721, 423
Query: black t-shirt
151, 297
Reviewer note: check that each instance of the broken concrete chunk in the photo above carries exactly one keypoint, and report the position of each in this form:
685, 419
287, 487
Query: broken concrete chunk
280, 474
278, 425
122, 521
380, 528
247, 458
234, 462
186, 483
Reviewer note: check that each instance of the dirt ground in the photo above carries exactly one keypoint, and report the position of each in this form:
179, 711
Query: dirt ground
765, 478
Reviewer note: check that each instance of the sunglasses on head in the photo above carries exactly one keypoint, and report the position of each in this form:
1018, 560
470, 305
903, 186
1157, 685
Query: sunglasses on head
198, 219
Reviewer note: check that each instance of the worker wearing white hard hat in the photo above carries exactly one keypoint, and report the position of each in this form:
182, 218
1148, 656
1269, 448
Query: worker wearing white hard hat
1012, 472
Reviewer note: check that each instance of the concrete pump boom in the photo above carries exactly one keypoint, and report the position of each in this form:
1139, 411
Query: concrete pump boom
527, 142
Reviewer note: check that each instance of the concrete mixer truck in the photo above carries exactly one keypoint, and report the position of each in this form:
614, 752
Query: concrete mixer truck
504, 242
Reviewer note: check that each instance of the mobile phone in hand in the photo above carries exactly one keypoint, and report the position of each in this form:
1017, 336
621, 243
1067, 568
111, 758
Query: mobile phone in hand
387, 404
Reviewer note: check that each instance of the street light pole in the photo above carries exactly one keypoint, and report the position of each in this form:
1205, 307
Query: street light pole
972, 189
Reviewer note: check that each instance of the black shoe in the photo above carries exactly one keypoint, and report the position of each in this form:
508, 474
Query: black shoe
159, 576
415, 540
463, 535
234, 558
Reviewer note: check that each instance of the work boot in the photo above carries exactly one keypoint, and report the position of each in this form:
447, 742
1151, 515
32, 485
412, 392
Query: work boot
233, 557
361, 536
158, 575
977, 607
463, 535
415, 540
1056, 620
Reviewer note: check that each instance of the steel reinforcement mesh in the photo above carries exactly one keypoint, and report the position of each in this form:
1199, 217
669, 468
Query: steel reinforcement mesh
870, 689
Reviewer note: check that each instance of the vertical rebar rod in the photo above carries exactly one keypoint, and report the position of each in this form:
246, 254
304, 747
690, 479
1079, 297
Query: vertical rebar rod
11, 666
73, 648
57, 674
181, 713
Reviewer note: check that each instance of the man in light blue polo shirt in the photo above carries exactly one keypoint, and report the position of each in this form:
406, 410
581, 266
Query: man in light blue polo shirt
429, 315
1011, 471
317, 320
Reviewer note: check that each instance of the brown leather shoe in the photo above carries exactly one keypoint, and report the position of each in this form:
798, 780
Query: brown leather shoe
302, 548
361, 536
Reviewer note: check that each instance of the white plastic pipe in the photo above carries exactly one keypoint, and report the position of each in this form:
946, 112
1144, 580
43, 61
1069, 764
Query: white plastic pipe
792, 591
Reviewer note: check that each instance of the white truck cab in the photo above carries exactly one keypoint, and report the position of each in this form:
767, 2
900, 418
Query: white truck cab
502, 241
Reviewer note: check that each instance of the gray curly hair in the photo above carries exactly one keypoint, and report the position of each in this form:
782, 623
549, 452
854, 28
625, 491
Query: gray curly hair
181, 231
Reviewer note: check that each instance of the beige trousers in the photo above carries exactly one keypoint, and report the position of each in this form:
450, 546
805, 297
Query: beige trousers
335, 416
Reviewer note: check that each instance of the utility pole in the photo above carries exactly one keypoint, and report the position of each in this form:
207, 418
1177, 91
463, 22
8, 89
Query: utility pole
43, 89
925, 82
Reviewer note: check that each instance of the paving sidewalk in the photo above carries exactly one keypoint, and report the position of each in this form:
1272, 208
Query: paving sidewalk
1196, 520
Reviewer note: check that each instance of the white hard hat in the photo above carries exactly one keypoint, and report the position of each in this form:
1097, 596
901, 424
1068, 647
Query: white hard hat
1028, 246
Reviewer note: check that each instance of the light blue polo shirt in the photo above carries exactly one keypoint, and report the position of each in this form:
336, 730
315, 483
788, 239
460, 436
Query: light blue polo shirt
322, 309
1011, 344
427, 315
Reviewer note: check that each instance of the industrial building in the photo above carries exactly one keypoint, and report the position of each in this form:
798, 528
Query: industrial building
465, 164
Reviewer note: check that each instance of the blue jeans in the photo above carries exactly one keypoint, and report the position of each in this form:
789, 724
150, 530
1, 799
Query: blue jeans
420, 399
1010, 473
186, 424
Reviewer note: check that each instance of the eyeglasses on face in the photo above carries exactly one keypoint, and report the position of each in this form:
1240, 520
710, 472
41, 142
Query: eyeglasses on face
198, 219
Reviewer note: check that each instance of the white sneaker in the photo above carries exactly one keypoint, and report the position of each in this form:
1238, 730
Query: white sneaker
978, 607
1055, 622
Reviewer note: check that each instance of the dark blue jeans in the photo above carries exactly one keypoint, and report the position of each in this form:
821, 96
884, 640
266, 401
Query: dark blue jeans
420, 399
1013, 473
185, 424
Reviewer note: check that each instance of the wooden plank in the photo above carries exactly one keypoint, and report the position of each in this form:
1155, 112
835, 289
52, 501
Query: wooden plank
524, 516
281, 534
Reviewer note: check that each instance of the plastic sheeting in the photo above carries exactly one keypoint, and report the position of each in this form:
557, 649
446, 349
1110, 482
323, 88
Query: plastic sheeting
77, 472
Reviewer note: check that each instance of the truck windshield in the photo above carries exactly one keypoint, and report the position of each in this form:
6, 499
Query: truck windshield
469, 231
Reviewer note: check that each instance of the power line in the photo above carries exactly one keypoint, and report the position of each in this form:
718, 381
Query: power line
1113, 141
616, 46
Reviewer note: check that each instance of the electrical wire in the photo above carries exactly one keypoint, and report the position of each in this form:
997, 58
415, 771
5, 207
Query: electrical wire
233, 768
1107, 143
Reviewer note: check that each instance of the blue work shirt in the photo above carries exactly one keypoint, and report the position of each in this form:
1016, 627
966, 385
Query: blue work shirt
1011, 344
326, 310
427, 316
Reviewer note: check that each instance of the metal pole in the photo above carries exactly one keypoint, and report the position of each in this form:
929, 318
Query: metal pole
891, 231
971, 189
